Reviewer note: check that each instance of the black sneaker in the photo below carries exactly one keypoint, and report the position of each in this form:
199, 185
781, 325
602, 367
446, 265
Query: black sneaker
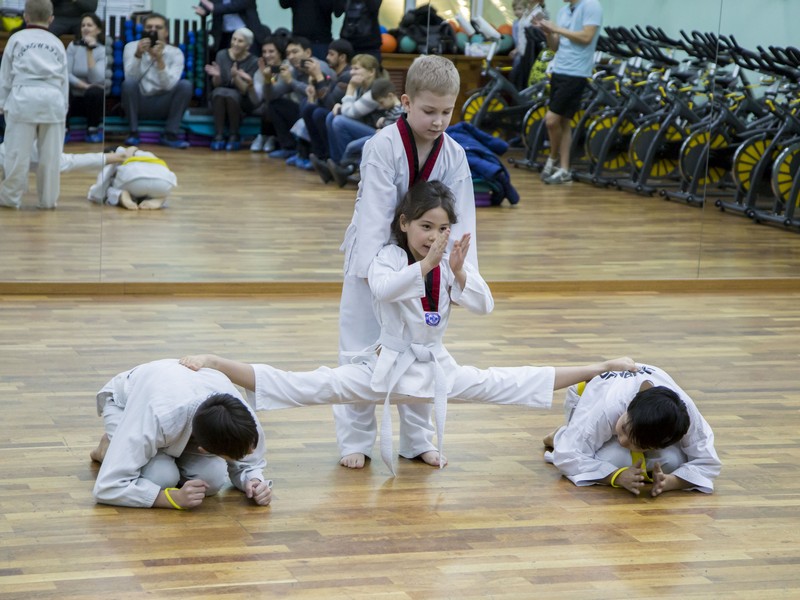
340, 173
321, 168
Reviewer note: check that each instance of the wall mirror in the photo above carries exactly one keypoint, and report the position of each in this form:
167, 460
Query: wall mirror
694, 241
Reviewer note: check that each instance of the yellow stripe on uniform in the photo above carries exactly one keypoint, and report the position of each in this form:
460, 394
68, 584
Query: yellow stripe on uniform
145, 159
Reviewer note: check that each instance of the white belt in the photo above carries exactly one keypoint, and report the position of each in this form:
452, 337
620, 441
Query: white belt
410, 352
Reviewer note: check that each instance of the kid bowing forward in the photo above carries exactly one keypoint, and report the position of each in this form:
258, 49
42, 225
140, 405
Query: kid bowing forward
413, 285
630, 429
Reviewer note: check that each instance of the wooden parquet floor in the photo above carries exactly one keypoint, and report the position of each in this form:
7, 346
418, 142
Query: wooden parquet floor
497, 522
245, 217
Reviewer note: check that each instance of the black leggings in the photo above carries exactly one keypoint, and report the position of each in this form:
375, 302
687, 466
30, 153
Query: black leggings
228, 104
91, 105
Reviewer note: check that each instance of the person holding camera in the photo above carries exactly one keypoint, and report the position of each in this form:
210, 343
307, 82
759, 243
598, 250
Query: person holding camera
326, 93
86, 63
233, 96
352, 119
273, 52
153, 88
289, 96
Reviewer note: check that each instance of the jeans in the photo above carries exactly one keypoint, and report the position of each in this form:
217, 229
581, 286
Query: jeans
315, 116
343, 130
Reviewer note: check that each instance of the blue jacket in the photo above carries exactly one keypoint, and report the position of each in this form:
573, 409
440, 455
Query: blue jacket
483, 155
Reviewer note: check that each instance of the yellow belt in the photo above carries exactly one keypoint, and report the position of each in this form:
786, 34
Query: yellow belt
145, 159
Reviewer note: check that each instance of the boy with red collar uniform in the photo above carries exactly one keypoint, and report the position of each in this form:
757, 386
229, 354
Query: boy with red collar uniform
415, 148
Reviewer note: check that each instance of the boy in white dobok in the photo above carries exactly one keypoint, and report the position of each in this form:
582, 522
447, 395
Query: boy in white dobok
173, 437
628, 430
34, 94
415, 148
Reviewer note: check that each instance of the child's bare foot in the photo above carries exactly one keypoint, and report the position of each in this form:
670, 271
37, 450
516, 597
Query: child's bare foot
99, 453
152, 204
548, 440
353, 461
431, 457
126, 200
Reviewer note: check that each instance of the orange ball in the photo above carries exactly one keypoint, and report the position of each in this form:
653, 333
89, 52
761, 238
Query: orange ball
388, 43
505, 28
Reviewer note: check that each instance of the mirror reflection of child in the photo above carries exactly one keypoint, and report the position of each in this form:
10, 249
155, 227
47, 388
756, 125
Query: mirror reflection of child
142, 181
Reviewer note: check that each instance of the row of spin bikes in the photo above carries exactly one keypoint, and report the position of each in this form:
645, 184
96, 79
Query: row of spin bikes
677, 117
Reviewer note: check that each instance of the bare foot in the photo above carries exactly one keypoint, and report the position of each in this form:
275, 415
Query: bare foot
99, 453
431, 457
353, 461
126, 200
152, 204
548, 440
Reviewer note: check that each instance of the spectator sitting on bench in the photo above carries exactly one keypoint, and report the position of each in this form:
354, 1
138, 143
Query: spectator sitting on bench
153, 88
273, 51
233, 96
388, 112
284, 111
353, 119
86, 62
327, 93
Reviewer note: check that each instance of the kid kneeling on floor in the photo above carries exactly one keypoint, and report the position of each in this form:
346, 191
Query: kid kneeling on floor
142, 181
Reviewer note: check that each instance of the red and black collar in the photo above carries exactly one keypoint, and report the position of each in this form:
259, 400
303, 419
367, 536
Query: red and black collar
414, 172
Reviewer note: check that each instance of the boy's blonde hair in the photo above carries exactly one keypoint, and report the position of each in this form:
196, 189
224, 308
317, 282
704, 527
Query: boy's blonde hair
435, 74
38, 11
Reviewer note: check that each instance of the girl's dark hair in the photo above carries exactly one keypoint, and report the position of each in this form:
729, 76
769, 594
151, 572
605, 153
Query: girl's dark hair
101, 37
422, 197
657, 418
279, 42
223, 425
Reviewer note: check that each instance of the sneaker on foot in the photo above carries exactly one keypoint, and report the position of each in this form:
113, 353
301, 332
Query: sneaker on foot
270, 144
218, 143
559, 177
133, 139
339, 173
281, 153
233, 145
171, 140
304, 163
258, 144
549, 167
321, 168
94, 136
